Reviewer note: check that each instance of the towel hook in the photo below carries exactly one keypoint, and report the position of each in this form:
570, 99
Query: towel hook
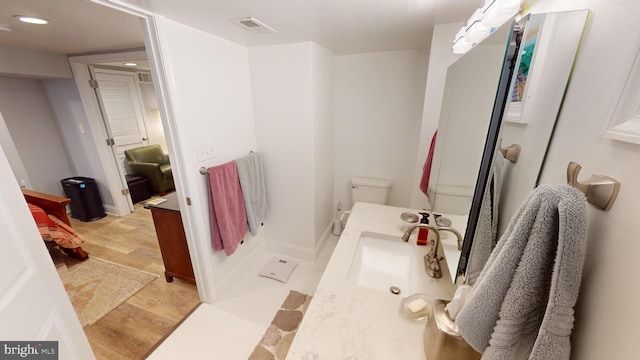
601, 191
511, 152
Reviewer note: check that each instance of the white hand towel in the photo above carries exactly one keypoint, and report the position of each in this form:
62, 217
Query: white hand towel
253, 190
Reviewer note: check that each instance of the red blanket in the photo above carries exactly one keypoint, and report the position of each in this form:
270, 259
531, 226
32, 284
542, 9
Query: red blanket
53, 229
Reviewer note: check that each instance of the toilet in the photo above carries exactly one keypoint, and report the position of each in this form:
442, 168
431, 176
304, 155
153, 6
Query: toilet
370, 190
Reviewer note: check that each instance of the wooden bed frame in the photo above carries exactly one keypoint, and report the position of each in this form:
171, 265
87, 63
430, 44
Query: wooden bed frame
57, 206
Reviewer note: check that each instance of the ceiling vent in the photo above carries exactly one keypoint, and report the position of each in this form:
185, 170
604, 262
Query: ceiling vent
253, 25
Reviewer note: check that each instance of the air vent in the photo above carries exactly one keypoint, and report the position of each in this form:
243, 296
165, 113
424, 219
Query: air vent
253, 25
144, 77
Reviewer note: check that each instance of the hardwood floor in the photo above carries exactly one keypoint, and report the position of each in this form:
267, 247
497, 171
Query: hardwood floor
134, 328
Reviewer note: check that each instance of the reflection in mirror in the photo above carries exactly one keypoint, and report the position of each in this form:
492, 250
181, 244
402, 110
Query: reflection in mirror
556, 38
468, 103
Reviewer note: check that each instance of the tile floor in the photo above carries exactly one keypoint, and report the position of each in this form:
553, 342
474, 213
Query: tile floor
232, 326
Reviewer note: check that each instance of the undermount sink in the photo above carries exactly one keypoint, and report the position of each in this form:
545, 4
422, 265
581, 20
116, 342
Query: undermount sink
383, 263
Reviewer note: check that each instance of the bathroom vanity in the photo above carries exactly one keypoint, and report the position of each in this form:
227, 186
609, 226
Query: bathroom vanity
353, 314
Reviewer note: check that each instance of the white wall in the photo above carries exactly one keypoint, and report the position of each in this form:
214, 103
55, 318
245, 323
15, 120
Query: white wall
31, 124
11, 151
293, 106
282, 100
19, 61
378, 114
608, 316
322, 75
66, 106
211, 97
440, 58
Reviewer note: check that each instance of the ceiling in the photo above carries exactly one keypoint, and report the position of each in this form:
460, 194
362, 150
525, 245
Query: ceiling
341, 26
77, 26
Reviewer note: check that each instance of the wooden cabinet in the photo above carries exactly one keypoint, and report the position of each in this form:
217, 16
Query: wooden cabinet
172, 240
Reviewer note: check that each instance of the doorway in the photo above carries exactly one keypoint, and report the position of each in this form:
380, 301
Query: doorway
119, 117
119, 250
121, 105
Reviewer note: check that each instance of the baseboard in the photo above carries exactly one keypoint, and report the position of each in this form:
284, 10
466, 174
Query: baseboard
224, 284
300, 252
111, 210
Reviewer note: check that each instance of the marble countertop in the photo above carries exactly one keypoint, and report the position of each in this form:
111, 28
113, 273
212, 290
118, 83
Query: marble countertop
347, 321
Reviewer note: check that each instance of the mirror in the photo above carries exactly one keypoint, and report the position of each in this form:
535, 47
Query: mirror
465, 120
481, 115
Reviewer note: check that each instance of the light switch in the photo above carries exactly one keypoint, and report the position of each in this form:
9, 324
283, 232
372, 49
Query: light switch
81, 127
205, 152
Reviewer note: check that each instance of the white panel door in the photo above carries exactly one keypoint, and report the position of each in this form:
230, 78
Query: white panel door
121, 104
33, 303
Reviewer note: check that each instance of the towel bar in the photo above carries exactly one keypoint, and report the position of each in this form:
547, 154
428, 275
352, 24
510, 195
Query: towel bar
601, 191
203, 170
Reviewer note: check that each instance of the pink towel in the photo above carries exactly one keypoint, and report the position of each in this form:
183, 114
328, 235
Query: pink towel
426, 169
228, 215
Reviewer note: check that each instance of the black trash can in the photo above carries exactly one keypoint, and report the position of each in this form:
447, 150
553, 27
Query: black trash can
86, 203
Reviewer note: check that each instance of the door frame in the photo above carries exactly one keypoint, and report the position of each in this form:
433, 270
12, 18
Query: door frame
162, 84
82, 76
141, 117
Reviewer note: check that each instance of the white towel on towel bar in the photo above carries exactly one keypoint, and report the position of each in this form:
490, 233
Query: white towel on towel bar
253, 189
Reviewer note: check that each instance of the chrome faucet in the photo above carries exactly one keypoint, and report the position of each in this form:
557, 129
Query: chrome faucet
431, 259
407, 234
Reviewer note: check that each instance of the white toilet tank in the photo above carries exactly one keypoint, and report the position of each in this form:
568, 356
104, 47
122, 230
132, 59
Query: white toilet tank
370, 190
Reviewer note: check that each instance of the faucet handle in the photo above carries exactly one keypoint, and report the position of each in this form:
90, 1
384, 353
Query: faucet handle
432, 266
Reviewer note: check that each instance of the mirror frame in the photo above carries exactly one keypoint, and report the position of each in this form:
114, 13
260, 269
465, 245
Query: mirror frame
499, 106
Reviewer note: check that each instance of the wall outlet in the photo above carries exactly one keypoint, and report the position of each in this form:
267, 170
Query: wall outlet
205, 152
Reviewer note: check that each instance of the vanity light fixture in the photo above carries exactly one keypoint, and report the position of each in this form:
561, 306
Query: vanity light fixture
31, 19
476, 29
484, 22
130, 64
460, 43
497, 12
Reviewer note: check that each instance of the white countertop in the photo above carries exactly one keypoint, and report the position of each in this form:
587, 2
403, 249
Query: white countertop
347, 321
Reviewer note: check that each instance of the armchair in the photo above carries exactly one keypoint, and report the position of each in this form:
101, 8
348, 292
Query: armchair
152, 163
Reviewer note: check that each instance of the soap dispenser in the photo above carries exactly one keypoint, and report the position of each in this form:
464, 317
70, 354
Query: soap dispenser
423, 232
